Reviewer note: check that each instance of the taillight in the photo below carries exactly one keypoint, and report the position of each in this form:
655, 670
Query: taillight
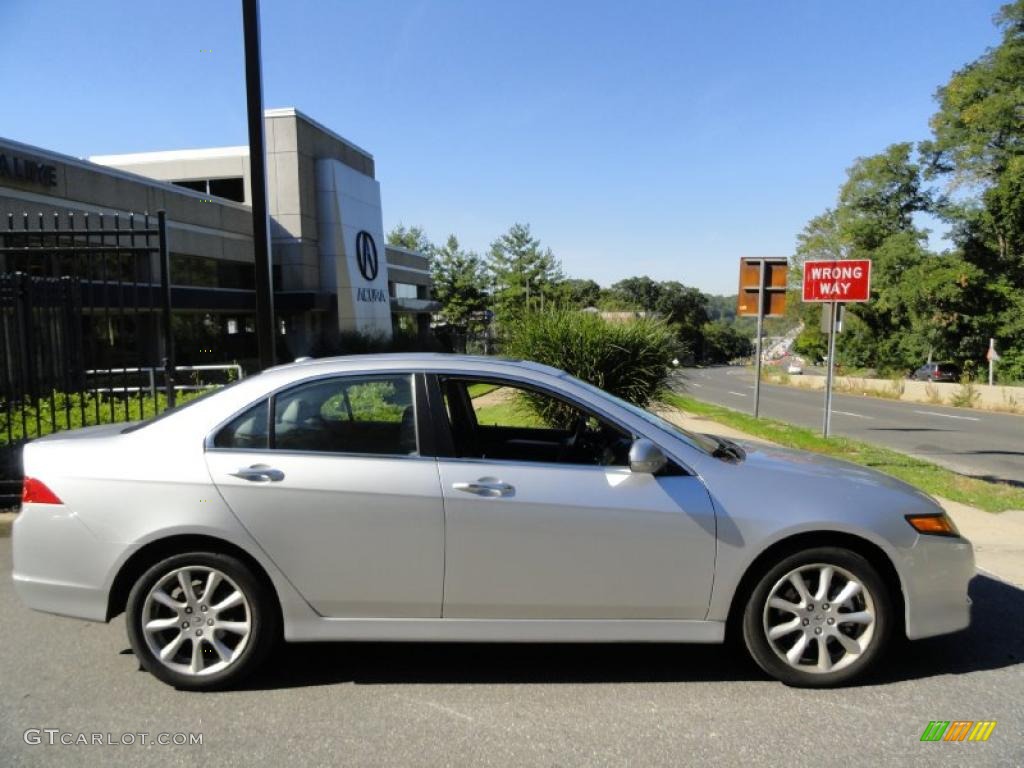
35, 492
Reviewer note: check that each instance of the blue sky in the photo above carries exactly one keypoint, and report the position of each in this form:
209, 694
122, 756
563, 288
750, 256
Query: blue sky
660, 138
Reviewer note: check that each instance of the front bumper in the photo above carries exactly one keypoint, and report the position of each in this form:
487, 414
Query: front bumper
936, 572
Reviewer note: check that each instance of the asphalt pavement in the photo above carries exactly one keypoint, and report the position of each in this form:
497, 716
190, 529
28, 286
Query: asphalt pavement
970, 441
371, 704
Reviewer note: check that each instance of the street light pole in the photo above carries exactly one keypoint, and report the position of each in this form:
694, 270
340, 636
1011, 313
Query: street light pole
265, 331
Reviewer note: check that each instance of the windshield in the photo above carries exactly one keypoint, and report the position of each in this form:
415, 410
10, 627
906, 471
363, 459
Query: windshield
695, 439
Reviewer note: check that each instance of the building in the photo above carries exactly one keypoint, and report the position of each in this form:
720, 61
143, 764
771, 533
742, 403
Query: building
332, 271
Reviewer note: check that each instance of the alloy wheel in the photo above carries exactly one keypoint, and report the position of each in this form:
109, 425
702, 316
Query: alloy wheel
819, 618
196, 620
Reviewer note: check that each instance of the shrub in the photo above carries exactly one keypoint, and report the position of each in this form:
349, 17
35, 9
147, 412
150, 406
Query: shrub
967, 394
630, 359
20, 421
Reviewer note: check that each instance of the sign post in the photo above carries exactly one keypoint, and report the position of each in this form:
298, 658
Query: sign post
763, 294
991, 356
835, 282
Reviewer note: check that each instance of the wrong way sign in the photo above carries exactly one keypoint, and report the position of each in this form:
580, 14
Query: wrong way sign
847, 280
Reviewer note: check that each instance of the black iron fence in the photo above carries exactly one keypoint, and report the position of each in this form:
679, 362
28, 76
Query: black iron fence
84, 321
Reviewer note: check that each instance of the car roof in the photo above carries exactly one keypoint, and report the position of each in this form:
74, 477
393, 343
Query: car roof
411, 361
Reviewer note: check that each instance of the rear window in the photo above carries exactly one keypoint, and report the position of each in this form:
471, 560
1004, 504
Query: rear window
178, 408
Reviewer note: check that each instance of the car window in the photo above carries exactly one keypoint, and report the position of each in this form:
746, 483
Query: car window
248, 430
694, 439
351, 414
503, 420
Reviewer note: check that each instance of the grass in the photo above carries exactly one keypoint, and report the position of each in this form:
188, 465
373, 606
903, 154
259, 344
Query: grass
514, 412
480, 389
930, 478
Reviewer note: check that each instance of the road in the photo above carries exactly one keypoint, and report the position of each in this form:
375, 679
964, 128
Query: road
972, 442
372, 704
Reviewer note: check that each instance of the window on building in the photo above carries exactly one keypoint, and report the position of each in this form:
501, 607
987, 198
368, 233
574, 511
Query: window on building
196, 185
231, 188
405, 291
206, 272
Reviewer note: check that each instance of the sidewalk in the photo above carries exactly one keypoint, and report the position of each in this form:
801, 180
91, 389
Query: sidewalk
998, 538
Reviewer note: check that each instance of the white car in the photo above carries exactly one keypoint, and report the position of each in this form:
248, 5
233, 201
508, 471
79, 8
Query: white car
437, 497
795, 368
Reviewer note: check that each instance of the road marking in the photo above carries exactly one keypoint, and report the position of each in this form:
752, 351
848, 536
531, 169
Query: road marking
947, 415
738, 394
858, 415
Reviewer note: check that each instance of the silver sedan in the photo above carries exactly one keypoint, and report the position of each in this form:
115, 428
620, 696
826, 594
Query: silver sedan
444, 498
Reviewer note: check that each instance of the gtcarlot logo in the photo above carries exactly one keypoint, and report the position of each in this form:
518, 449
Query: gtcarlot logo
958, 730
57, 737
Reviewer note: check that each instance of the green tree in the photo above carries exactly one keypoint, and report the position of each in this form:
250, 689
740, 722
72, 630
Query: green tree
579, 294
639, 292
460, 285
724, 342
524, 274
411, 238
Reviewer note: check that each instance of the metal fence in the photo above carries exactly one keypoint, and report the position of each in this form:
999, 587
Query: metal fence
84, 309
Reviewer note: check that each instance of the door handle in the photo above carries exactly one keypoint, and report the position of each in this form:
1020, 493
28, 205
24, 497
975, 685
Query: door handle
259, 473
486, 486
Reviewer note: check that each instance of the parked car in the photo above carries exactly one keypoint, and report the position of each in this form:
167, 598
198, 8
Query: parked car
452, 498
795, 368
937, 372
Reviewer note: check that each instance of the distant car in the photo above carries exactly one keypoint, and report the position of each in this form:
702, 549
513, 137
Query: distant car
937, 372
795, 368
404, 497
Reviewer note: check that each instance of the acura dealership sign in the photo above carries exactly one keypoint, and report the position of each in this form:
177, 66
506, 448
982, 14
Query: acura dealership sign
23, 169
366, 253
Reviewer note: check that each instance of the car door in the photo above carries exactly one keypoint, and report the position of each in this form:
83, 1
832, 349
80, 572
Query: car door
329, 476
563, 534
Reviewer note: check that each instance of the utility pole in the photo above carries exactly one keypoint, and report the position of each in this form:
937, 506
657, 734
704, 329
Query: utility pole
265, 331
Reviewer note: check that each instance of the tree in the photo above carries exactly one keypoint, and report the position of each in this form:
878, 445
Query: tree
579, 294
525, 275
412, 239
684, 308
460, 285
723, 342
977, 130
639, 292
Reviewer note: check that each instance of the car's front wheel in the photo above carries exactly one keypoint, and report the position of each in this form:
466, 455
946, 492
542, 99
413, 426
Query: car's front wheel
818, 618
200, 620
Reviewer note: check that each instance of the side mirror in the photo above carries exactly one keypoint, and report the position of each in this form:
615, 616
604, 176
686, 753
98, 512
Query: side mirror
645, 457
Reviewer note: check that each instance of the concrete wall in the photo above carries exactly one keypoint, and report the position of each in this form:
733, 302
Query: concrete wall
995, 398
196, 224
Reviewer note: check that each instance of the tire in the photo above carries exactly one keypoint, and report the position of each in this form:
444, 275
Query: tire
853, 644
206, 643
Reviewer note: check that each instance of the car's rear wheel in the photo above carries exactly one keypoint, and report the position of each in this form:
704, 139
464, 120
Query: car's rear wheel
818, 618
200, 620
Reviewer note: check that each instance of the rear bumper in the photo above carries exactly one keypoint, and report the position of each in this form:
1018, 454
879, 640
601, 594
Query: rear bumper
938, 570
59, 566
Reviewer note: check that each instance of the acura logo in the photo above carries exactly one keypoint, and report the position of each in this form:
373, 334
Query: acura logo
366, 255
